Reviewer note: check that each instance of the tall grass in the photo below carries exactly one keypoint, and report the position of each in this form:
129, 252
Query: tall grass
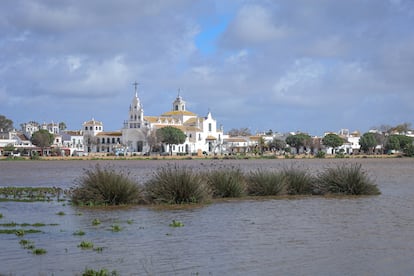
299, 182
347, 180
105, 186
176, 185
266, 183
227, 182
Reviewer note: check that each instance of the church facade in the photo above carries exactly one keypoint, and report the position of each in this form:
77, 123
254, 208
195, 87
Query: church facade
138, 133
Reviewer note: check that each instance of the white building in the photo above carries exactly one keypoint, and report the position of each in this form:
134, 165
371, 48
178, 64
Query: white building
135, 137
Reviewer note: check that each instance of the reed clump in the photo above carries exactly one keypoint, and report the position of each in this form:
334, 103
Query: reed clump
227, 182
106, 186
266, 183
346, 180
298, 181
177, 185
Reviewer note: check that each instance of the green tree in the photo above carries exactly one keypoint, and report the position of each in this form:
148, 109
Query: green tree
332, 140
298, 140
392, 143
368, 142
171, 136
42, 138
6, 125
277, 144
62, 126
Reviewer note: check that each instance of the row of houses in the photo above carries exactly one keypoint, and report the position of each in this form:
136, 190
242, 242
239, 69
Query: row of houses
136, 137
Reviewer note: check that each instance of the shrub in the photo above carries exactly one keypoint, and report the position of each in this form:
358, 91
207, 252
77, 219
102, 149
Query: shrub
320, 154
175, 185
298, 182
227, 182
265, 183
105, 186
348, 180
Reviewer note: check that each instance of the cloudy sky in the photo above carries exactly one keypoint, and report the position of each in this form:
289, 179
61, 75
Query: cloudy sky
285, 65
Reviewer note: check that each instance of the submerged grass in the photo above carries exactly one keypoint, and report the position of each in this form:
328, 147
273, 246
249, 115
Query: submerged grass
298, 181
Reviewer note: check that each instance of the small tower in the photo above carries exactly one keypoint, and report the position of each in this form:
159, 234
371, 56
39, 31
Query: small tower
179, 103
136, 112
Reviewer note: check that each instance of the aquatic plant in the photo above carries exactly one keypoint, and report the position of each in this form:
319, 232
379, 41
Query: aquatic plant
27, 244
266, 183
19, 232
39, 251
1, 215
176, 223
79, 233
86, 245
130, 221
298, 181
96, 221
227, 182
105, 186
31, 194
102, 272
346, 179
176, 185
60, 213
115, 228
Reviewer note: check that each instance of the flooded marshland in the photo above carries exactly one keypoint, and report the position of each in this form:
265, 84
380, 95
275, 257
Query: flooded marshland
294, 236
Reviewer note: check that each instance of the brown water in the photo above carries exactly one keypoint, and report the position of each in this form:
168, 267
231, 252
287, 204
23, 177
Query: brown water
308, 236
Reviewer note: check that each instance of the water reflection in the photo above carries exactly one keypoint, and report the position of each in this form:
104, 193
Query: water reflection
308, 236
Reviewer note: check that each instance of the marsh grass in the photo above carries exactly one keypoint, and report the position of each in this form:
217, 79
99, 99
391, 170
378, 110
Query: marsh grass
79, 233
39, 251
177, 185
101, 272
266, 183
347, 180
116, 228
298, 181
96, 221
32, 194
176, 223
227, 182
105, 186
86, 245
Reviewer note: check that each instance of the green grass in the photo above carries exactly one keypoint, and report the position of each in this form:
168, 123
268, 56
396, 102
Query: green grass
27, 244
86, 245
39, 251
298, 181
105, 186
347, 180
227, 182
266, 183
176, 185
79, 233
176, 223
116, 228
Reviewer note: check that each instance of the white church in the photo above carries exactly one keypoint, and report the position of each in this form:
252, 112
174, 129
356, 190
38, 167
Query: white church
137, 137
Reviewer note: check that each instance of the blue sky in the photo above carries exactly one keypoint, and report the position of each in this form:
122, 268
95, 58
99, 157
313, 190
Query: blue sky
285, 65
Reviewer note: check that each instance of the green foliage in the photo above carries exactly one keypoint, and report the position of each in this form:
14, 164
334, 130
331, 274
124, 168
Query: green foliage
176, 223
320, 154
6, 124
227, 182
277, 144
86, 245
409, 150
39, 251
332, 140
79, 233
96, 221
27, 244
42, 138
348, 180
105, 186
102, 272
299, 182
177, 185
368, 142
171, 136
60, 213
116, 228
266, 183
298, 140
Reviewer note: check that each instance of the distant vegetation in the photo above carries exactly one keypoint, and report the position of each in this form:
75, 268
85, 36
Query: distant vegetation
172, 184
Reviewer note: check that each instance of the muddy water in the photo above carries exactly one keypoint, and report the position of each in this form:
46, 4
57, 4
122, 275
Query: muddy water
309, 236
